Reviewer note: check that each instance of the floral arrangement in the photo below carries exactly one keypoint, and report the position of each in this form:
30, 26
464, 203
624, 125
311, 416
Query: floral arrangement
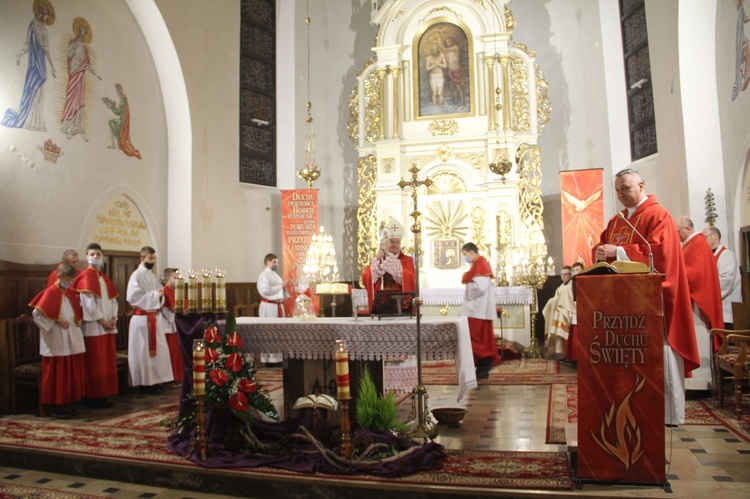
230, 375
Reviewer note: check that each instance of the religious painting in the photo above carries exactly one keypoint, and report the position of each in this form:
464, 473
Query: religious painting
582, 214
742, 52
446, 254
443, 68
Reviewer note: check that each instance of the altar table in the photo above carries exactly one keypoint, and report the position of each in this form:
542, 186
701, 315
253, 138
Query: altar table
443, 338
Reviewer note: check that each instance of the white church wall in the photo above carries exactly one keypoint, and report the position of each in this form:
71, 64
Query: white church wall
567, 38
735, 127
47, 206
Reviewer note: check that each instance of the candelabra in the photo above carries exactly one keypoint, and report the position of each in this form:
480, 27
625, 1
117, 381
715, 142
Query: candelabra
711, 214
320, 261
310, 172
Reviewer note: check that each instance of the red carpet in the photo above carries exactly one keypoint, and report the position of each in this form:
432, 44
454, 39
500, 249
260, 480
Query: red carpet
141, 437
510, 372
563, 408
726, 415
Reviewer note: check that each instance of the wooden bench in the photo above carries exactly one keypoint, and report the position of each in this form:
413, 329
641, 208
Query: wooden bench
731, 361
25, 362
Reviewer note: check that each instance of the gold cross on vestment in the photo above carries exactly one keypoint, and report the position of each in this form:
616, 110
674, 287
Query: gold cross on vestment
414, 184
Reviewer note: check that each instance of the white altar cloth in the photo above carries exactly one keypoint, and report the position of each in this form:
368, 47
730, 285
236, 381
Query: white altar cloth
438, 297
443, 338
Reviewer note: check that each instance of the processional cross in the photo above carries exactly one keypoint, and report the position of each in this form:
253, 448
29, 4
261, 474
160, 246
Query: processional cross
425, 427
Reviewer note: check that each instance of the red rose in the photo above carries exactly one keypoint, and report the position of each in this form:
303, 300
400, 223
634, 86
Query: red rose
212, 335
238, 403
248, 386
219, 377
211, 355
234, 340
234, 362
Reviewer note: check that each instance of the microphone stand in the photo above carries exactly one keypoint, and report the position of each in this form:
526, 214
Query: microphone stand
650, 252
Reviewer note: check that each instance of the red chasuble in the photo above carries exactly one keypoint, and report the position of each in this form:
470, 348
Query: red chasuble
49, 302
409, 281
703, 281
88, 282
480, 267
658, 227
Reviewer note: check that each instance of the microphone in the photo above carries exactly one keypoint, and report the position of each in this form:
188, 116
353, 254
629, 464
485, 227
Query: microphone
650, 253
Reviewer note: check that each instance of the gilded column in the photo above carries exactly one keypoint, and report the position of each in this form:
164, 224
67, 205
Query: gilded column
382, 73
506, 95
490, 61
395, 72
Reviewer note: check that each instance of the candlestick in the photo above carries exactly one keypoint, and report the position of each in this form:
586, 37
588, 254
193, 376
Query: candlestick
206, 295
179, 293
199, 368
221, 292
192, 291
342, 371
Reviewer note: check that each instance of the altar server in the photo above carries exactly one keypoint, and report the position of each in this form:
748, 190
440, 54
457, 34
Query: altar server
557, 314
166, 317
148, 354
480, 307
620, 242
70, 256
57, 312
272, 290
390, 270
98, 298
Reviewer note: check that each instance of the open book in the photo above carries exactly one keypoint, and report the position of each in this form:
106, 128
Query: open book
332, 288
616, 267
316, 401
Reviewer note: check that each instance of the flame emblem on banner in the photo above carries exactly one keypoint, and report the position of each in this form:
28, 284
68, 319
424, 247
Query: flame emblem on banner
627, 446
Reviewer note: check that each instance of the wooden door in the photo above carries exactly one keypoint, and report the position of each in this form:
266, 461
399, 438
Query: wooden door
744, 258
119, 266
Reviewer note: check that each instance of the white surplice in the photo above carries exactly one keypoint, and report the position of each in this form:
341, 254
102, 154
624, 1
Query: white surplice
54, 341
270, 287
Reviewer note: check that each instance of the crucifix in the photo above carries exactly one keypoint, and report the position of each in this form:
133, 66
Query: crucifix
425, 428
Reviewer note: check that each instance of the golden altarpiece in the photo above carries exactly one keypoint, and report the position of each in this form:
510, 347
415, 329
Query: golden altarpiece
450, 91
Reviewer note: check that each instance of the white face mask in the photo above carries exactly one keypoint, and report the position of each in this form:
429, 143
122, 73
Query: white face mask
96, 262
467, 259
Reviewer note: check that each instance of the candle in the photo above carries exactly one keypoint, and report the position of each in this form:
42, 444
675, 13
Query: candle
179, 293
221, 291
192, 293
342, 371
206, 291
199, 368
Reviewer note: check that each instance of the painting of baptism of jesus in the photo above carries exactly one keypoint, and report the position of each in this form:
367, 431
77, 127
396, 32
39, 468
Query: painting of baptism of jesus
443, 71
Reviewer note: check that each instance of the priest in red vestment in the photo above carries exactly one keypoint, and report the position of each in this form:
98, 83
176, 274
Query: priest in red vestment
390, 270
70, 256
57, 313
705, 293
480, 307
620, 242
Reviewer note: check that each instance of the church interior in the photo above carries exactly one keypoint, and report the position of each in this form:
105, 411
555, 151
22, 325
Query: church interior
220, 131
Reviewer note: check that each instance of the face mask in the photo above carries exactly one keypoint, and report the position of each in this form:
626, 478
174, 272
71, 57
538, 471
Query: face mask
467, 259
96, 262
149, 266
274, 267
64, 284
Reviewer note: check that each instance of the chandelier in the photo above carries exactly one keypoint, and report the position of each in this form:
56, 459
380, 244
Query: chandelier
320, 262
310, 172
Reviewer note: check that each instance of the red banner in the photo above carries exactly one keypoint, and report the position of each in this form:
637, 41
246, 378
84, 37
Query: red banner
299, 221
620, 378
582, 214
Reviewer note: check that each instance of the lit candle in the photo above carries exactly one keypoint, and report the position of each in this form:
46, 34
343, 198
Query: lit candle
199, 368
179, 293
221, 292
206, 291
342, 371
192, 292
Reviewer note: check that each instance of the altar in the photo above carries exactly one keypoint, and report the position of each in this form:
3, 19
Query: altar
443, 338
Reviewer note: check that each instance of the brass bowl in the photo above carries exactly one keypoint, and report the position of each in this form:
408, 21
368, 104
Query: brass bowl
449, 415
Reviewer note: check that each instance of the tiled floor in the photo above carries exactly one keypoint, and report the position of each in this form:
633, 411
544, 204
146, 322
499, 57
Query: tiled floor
704, 460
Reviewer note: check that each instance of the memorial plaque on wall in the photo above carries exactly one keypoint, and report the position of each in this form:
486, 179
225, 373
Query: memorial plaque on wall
258, 92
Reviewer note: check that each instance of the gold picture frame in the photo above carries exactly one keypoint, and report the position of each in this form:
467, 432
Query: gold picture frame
443, 74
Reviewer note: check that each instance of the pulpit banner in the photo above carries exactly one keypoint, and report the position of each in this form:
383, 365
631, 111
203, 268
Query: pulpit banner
620, 378
582, 213
299, 221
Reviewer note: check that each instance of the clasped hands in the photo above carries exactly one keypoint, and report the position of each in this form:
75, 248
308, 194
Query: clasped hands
605, 251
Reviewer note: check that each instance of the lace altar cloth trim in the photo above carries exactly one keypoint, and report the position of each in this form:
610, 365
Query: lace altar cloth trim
365, 339
438, 297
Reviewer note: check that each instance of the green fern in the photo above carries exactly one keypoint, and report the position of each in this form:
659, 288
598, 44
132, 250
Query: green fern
373, 411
